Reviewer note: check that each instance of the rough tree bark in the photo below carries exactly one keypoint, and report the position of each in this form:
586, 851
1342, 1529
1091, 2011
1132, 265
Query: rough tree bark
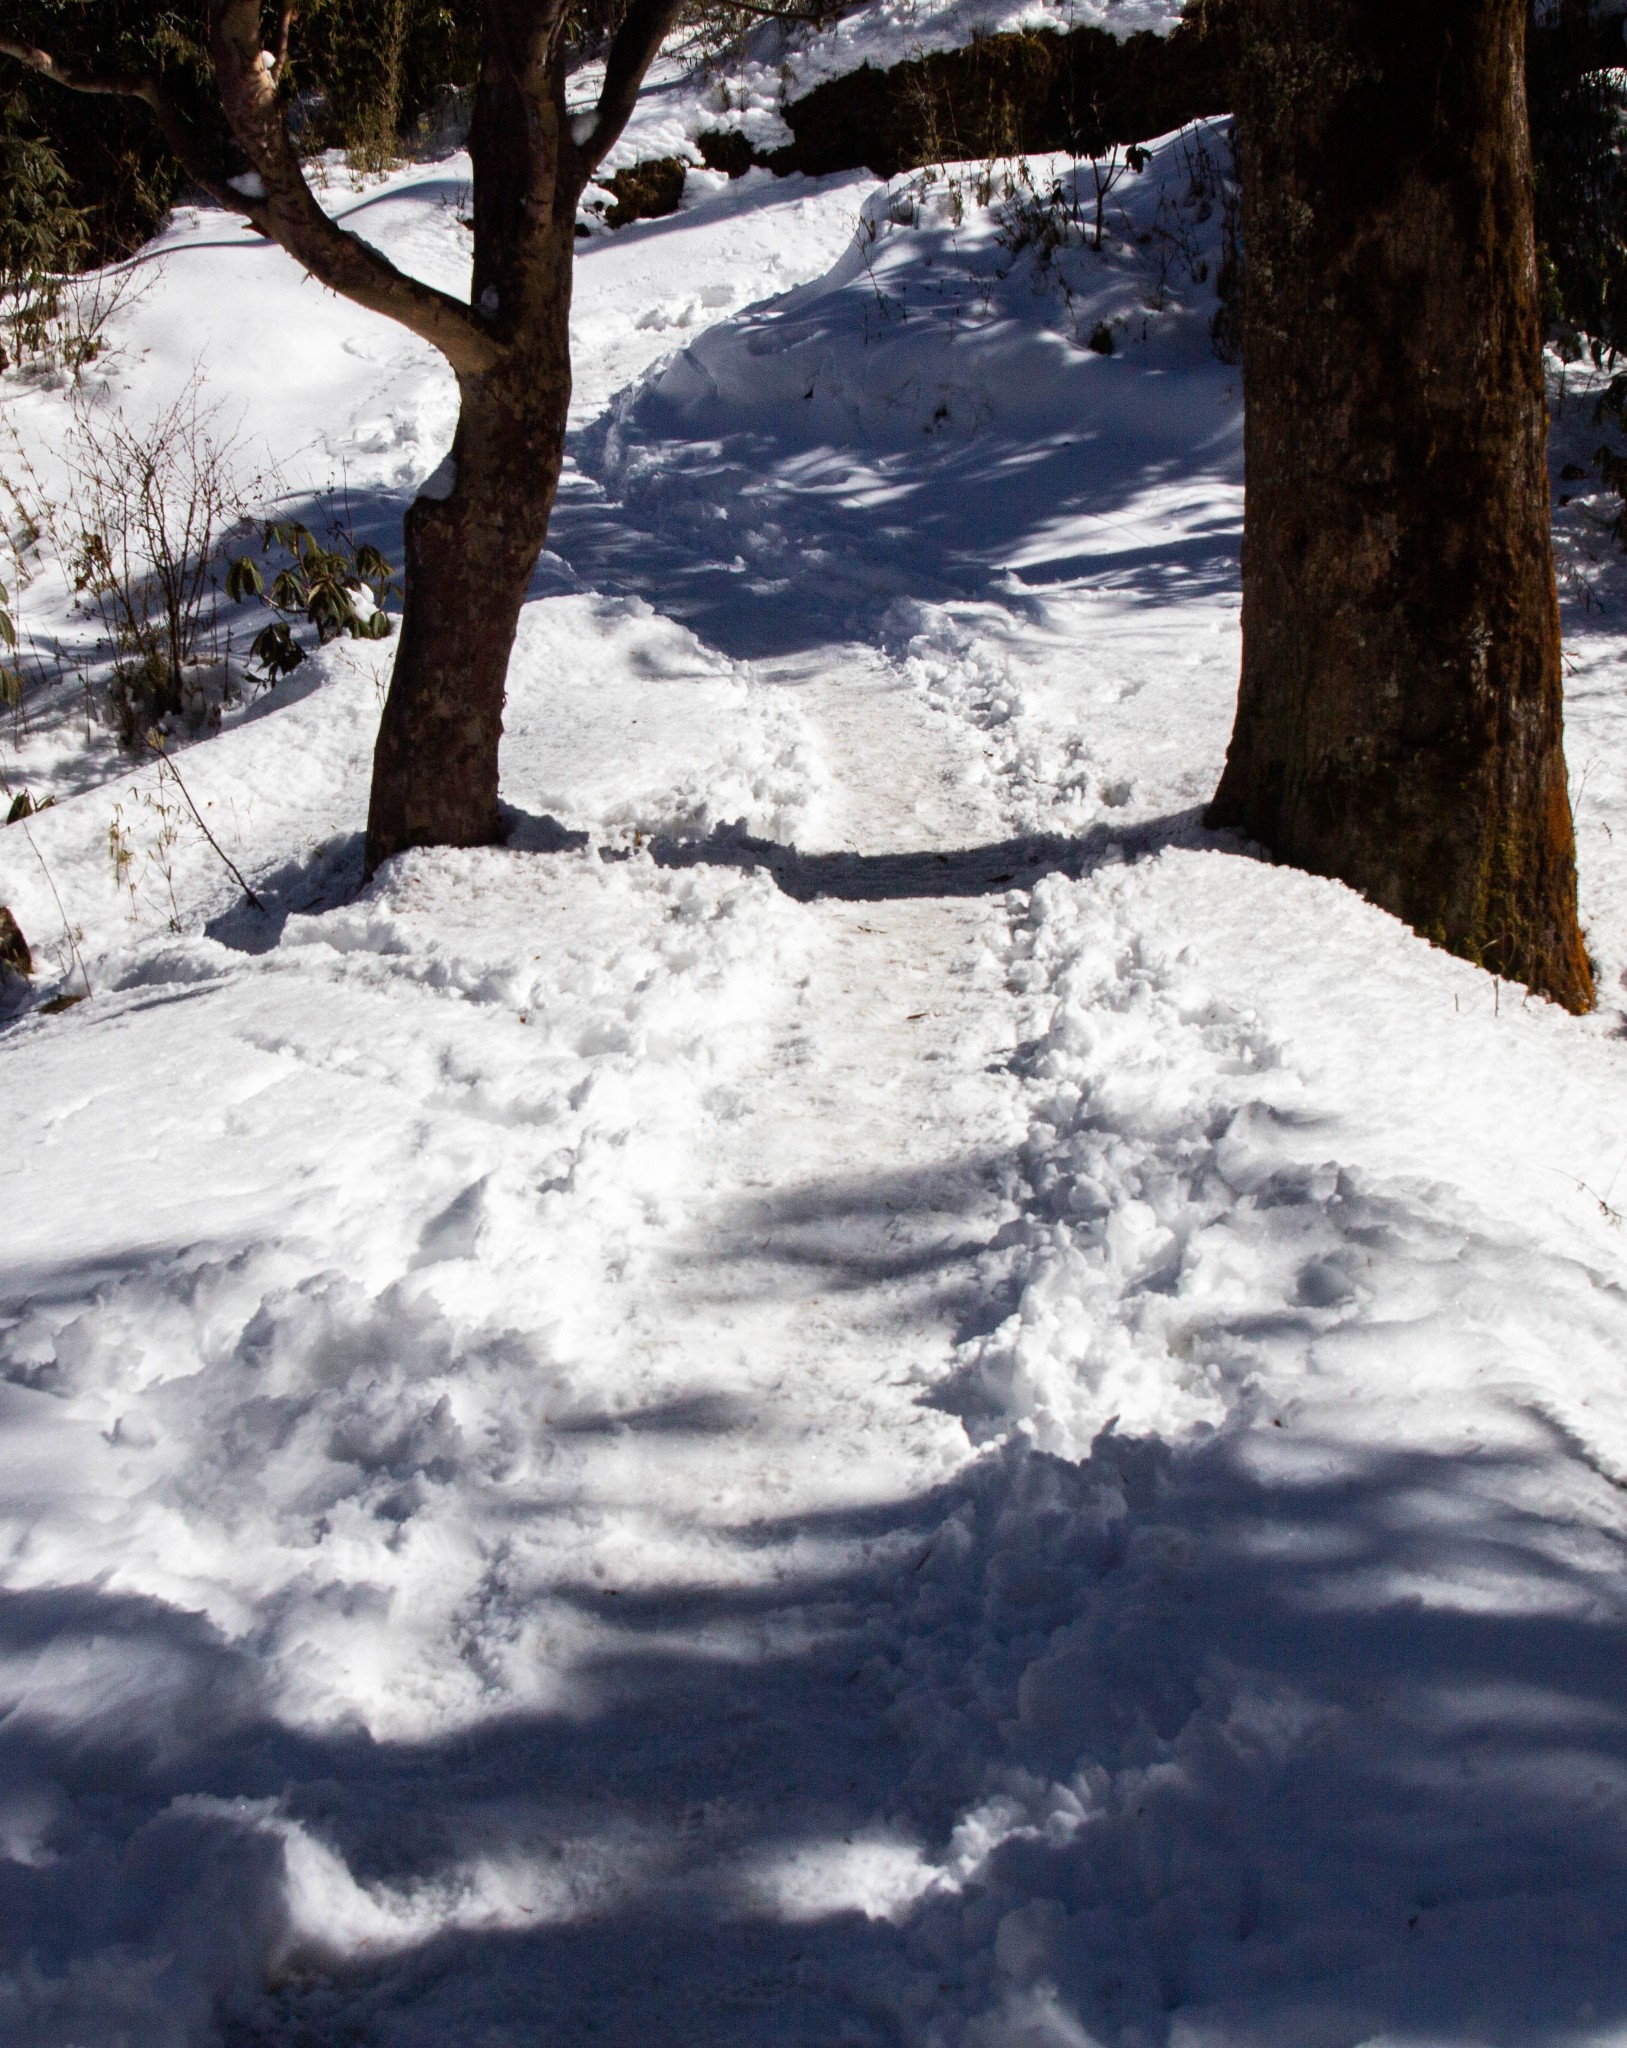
473, 537
1399, 718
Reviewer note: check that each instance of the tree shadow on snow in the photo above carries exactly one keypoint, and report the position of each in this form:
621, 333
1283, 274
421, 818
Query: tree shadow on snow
331, 875
324, 879
767, 548
1016, 863
1301, 1747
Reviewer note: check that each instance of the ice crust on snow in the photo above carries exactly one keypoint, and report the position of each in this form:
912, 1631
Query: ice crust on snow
864, 1389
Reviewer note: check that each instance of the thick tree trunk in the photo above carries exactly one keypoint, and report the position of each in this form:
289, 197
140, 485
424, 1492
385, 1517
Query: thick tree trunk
469, 559
1399, 719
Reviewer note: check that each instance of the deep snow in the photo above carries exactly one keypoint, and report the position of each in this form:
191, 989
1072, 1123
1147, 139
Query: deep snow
866, 1390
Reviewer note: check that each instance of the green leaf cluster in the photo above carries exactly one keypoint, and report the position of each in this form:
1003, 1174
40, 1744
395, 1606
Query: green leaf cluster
317, 584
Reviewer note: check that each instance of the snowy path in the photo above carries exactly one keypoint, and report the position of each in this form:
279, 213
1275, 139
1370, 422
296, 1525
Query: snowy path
865, 1391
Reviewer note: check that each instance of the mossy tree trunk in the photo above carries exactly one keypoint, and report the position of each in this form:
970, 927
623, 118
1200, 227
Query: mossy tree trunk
1399, 718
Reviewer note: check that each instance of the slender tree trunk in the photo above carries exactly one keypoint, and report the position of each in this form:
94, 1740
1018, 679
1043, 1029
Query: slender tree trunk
469, 558
1399, 718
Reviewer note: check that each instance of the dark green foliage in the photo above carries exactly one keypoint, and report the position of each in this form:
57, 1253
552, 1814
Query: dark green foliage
369, 76
1007, 94
1578, 97
726, 150
42, 232
317, 584
119, 175
647, 191
1578, 100
369, 73
591, 24
364, 75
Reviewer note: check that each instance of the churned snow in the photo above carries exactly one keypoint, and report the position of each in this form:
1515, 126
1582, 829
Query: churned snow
865, 1389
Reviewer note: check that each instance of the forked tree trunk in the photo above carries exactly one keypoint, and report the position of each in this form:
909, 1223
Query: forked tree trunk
470, 547
1399, 719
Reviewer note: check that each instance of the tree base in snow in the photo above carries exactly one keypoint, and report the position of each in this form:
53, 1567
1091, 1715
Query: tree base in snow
1399, 716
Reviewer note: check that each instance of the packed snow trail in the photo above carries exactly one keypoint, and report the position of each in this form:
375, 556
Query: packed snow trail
864, 1390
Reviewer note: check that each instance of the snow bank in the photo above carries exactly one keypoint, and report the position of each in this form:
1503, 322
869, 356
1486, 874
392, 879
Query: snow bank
747, 90
968, 301
930, 418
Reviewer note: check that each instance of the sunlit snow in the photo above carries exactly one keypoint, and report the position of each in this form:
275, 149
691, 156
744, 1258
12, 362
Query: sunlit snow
866, 1389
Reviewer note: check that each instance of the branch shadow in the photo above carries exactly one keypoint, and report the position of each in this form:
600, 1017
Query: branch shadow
329, 876
1234, 1768
767, 543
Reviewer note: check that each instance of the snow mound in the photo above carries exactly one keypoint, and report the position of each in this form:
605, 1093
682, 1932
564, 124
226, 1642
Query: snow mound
973, 297
930, 420
622, 722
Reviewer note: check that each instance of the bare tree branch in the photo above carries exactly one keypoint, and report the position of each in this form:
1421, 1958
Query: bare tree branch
285, 23
285, 208
643, 30
293, 219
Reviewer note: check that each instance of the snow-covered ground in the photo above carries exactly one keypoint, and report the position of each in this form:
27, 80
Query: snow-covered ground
865, 1391
747, 87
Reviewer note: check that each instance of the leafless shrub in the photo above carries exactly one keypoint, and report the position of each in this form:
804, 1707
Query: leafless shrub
56, 327
148, 507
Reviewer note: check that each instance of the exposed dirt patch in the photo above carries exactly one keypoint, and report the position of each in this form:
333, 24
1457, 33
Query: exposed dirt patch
647, 191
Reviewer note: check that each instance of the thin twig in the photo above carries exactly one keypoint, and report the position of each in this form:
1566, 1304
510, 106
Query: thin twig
1611, 1216
67, 929
237, 874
